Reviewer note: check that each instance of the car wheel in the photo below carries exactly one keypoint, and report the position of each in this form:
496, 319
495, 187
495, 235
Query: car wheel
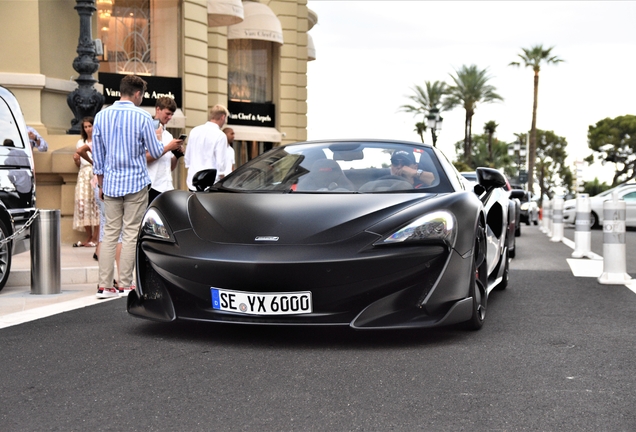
479, 275
506, 274
512, 251
5, 256
518, 230
593, 220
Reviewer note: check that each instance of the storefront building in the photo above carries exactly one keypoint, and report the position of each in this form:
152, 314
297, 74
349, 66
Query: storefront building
250, 56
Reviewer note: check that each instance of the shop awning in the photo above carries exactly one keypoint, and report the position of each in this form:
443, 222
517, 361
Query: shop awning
259, 23
256, 133
224, 12
312, 19
311, 49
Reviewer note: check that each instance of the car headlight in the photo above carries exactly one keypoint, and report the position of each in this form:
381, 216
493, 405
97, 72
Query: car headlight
525, 206
435, 226
153, 226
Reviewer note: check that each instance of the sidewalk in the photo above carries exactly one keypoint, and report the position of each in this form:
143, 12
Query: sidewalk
78, 287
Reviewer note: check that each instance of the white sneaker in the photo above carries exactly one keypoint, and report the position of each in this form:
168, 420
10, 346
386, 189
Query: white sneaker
104, 293
123, 292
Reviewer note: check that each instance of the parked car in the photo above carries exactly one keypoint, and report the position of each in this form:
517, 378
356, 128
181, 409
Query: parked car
326, 233
17, 183
626, 192
528, 209
514, 225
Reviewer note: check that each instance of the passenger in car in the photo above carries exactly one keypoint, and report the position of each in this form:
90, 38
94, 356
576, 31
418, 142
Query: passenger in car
403, 164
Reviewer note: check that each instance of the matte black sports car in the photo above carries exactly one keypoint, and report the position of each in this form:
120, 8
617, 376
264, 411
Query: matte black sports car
362, 233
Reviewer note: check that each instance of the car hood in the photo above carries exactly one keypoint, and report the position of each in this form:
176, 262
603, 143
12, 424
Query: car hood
287, 219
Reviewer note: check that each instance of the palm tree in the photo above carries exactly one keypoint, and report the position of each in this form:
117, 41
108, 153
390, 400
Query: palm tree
533, 57
471, 87
489, 129
420, 128
424, 101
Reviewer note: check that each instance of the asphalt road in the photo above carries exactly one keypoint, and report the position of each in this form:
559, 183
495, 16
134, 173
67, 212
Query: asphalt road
556, 353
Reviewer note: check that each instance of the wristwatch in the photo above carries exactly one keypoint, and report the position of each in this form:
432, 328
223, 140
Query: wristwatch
419, 173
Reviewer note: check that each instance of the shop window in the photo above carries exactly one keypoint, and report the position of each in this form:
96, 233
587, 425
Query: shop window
139, 36
250, 73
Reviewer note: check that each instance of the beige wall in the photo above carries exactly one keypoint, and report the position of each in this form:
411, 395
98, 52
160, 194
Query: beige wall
39, 42
293, 69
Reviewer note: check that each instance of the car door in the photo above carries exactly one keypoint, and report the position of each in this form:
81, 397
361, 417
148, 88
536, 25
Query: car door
630, 205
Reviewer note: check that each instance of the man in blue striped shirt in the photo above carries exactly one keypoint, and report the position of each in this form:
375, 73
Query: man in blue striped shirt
121, 135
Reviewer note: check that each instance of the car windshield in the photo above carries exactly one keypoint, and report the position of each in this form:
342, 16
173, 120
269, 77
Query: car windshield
342, 167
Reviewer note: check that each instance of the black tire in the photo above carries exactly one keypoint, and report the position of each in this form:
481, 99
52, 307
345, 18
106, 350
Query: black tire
512, 250
594, 220
506, 274
518, 231
479, 278
5, 256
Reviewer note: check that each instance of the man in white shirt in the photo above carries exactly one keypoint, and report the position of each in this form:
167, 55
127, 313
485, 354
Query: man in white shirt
231, 157
207, 146
160, 170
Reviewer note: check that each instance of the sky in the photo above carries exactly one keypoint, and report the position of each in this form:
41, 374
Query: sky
370, 54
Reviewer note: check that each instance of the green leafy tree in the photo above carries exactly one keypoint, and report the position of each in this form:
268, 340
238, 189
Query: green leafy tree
552, 169
470, 88
533, 57
489, 129
595, 187
488, 152
424, 100
614, 140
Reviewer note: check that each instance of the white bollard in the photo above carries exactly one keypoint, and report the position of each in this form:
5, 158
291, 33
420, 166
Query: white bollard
557, 219
544, 215
548, 228
582, 227
614, 249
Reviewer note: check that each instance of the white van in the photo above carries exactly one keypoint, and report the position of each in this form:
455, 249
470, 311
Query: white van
17, 183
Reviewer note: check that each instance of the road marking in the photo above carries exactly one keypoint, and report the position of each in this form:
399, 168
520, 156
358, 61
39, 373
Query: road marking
569, 243
585, 267
592, 267
46, 311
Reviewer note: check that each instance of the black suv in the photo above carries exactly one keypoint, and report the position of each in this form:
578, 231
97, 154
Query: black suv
17, 182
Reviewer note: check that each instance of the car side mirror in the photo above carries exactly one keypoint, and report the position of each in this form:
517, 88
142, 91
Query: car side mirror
490, 178
204, 179
479, 190
517, 193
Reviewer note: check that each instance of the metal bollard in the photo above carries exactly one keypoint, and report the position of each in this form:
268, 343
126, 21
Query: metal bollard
614, 249
45, 253
582, 227
557, 219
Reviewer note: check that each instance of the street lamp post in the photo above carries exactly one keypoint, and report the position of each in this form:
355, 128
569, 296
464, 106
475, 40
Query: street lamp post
85, 100
518, 151
434, 123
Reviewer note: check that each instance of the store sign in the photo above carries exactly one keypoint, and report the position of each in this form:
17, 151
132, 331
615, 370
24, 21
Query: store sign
252, 114
157, 87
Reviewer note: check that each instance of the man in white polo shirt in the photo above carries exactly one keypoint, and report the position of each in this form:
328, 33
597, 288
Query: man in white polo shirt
207, 146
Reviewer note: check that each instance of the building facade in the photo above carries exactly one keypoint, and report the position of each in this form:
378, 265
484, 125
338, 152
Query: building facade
248, 55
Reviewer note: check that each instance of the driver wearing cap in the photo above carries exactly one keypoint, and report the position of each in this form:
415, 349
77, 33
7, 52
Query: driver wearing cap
403, 164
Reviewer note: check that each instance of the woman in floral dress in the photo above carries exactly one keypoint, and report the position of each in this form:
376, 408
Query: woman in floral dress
86, 214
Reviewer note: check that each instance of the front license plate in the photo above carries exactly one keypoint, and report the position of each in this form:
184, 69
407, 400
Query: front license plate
261, 304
